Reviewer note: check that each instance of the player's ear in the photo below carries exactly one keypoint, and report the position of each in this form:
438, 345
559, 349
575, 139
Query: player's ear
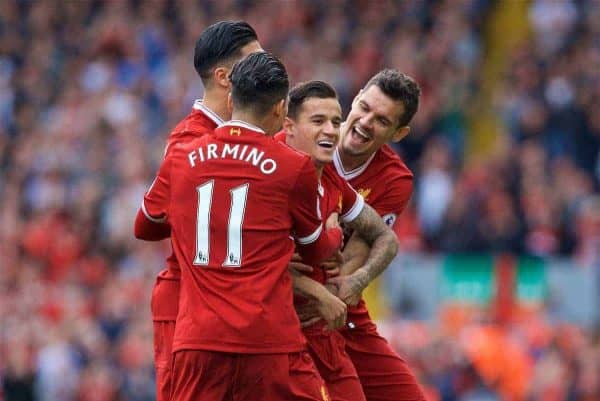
400, 133
221, 76
280, 109
229, 103
289, 126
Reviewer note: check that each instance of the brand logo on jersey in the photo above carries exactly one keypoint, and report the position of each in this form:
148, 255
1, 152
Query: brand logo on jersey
389, 219
364, 192
324, 394
235, 131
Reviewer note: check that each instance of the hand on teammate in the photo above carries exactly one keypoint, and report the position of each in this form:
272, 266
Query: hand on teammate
332, 221
332, 266
350, 288
296, 264
329, 307
333, 310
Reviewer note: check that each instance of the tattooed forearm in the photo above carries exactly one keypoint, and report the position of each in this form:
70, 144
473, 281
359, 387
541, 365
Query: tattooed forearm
370, 227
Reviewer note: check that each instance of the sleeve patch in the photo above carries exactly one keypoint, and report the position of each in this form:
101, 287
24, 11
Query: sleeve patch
389, 219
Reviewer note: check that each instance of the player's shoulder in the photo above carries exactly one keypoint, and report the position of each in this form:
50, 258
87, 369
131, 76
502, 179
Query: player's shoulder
391, 165
280, 136
179, 148
288, 153
195, 125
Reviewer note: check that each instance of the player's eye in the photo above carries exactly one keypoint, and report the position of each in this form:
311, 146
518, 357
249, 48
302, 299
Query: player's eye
383, 121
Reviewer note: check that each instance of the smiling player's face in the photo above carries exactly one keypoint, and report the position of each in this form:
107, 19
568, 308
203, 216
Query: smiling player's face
372, 122
316, 129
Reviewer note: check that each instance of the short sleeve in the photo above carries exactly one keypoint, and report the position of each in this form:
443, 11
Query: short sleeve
155, 204
352, 202
304, 205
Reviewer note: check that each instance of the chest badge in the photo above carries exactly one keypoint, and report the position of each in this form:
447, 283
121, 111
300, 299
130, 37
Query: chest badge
364, 192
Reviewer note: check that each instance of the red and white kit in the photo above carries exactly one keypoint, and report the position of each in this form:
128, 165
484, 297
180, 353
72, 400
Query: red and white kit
232, 199
386, 184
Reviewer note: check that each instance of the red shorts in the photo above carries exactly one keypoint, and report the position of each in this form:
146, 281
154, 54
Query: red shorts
383, 374
164, 305
163, 358
327, 349
218, 376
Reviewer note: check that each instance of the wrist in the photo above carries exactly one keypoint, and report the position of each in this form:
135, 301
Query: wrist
363, 277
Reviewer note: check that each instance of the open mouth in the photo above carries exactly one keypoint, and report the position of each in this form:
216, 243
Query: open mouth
326, 143
360, 135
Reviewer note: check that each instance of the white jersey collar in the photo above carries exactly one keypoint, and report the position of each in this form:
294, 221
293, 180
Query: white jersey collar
243, 124
348, 175
199, 105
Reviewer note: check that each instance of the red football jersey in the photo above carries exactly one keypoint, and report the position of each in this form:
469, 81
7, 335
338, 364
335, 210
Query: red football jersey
335, 196
386, 184
199, 122
233, 199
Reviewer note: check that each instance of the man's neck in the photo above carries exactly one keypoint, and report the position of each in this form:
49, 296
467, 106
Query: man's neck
250, 118
318, 165
319, 170
350, 162
215, 103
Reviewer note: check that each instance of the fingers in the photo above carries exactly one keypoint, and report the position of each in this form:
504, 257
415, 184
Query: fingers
332, 265
296, 258
333, 272
332, 221
339, 320
336, 281
309, 322
300, 267
353, 300
307, 311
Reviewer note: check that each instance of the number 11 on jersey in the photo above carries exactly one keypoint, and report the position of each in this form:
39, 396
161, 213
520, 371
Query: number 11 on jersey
234, 226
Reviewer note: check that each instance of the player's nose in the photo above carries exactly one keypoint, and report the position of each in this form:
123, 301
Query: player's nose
366, 121
330, 129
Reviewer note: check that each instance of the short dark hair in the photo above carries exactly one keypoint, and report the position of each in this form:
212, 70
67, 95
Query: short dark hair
258, 81
220, 43
306, 90
401, 88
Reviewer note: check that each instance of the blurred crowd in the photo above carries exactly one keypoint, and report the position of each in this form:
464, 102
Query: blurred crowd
90, 89
528, 361
537, 192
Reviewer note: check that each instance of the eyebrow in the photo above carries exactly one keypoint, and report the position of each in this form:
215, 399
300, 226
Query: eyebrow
387, 120
323, 116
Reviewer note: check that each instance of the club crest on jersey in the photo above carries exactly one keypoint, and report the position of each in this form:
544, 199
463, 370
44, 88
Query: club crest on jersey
235, 131
364, 192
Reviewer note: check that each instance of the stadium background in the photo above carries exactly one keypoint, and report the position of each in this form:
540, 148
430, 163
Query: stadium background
495, 294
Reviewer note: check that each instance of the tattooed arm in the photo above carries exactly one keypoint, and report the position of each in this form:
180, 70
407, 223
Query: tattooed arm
367, 254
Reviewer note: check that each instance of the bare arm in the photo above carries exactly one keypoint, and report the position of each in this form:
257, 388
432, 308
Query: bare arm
328, 306
355, 254
366, 256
